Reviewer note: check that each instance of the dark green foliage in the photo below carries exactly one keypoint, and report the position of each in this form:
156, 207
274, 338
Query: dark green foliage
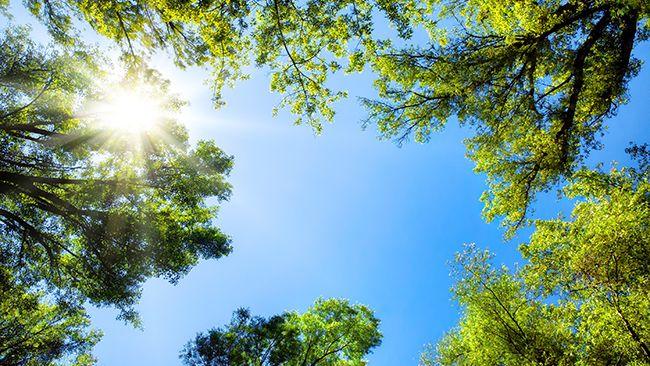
87, 208
332, 332
246, 340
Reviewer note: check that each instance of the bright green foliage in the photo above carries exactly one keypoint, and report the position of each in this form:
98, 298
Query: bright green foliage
34, 332
331, 332
601, 259
582, 299
535, 79
302, 43
503, 323
89, 209
298, 41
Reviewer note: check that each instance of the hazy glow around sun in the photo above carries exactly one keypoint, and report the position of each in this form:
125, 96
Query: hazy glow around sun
129, 111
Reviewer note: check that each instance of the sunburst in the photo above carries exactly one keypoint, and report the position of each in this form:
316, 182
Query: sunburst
129, 111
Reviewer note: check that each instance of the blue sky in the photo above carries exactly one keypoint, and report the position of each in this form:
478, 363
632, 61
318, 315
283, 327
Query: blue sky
338, 215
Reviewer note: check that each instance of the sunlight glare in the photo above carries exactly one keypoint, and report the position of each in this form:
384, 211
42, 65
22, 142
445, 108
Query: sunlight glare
131, 112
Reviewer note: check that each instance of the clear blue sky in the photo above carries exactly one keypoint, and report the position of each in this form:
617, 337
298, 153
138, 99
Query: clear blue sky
337, 215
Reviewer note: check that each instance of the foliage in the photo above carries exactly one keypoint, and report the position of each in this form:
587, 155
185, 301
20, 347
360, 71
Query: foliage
92, 209
535, 79
294, 40
35, 332
302, 43
247, 340
582, 299
502, 323
331, 332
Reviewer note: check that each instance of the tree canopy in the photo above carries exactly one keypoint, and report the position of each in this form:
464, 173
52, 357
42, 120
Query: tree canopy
89, 208
88, 211
35, 331
536, 80
331, 332
581, 299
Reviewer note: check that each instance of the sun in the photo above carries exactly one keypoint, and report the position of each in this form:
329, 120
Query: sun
129, 111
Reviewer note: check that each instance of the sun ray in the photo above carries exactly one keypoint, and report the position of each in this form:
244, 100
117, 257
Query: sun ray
129, 111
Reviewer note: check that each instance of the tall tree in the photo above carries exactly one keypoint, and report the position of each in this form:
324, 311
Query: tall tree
88, 207
331, 332
583, 298
535, 79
